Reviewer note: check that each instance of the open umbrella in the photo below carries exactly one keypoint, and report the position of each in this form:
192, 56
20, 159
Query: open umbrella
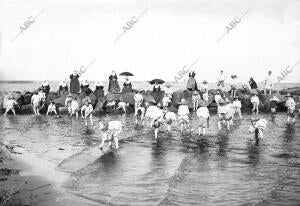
159, 81
128, 74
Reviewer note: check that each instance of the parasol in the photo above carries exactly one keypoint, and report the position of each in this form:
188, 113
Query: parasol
159, 81
128, 74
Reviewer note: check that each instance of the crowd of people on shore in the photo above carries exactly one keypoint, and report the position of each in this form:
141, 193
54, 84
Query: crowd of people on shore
159, 115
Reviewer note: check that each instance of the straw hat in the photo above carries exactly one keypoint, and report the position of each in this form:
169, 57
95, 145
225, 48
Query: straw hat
205, 82
233, 76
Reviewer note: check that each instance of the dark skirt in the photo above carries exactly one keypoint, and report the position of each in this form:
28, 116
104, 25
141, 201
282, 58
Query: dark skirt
74, 85
113, 86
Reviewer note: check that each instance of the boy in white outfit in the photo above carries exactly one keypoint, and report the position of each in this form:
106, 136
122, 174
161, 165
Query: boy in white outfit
255, 103
291, 105
10, 105
183, 115
87, 108
236, 104
203, 115
35, 102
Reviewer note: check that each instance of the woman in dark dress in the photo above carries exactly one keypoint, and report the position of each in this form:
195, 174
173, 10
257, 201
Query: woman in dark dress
192, 84
113, 83
127, 87
63, 87
74, 84
46, 87
99, 91
252, 83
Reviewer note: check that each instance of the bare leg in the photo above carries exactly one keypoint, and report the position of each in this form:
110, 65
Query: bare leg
260, 134
169, 127
181, 128
13, 110
155, 133
91, 121
204, 131
228, 125
219, 125
116, 142
7, 110
101, 145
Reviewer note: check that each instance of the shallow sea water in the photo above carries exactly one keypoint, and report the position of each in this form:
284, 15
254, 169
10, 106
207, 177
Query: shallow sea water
222, 168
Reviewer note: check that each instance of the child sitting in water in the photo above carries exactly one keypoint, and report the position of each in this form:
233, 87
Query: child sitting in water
112, 130
87, 108
10, 105
183, 115
255, 103
236, 104
273, 105
290, 104
51, 108
258, 125
203, 115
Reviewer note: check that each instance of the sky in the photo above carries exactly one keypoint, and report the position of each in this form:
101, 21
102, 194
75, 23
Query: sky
167, 36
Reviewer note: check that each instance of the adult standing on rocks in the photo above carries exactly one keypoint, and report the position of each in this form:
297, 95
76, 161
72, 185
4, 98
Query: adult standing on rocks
113, 83
269, 83
252, 83
74, 84
221, 80
46, 87
191, 83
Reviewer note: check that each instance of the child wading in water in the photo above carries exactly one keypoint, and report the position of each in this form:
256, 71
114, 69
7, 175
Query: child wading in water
236, 104
183, 115
258, 125
203, 115
110, 133
196, 98
225, 113
273, 105
255, 103
290, 104
10, 105
51, 108
87, 108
